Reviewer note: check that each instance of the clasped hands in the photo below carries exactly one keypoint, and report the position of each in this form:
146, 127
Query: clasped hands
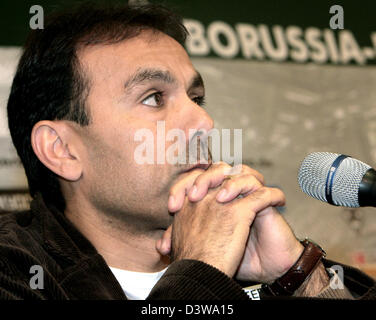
230, 222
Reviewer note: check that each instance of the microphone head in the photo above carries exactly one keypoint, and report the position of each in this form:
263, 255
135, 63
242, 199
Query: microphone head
315, 172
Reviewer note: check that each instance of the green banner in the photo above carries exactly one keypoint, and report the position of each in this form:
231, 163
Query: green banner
333, 32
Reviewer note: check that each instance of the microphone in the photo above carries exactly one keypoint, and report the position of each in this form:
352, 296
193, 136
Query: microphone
338, 180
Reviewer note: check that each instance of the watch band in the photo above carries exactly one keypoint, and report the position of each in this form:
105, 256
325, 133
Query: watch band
299, 272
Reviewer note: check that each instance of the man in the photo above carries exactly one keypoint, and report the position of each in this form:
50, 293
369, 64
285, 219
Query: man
103, 226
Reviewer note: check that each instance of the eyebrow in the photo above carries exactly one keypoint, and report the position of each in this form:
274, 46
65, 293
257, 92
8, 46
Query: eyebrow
148, 75
197, 82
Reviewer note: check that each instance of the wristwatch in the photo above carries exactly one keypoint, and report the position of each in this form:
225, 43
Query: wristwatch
299, 272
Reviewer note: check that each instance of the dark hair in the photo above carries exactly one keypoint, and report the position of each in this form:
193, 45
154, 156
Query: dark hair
49, 83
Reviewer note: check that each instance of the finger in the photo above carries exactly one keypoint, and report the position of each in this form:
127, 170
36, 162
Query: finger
261, 199
158, 245
180, 189
253, 172
215, 176
211, 178
163, 245
244, 185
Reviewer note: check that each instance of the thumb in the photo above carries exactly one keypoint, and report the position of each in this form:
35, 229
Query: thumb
163, 245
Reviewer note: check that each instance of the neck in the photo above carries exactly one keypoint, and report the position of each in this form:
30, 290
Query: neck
119, 247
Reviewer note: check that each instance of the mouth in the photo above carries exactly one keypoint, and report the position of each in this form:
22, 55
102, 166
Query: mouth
205, 164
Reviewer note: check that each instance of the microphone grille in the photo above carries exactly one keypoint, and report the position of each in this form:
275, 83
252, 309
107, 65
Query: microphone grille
313, 173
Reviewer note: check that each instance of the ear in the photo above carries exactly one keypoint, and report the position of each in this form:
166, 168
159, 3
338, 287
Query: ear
54, 145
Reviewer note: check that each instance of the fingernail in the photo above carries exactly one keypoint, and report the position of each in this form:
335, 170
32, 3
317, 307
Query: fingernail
166, 247
194, 191
171, 201
222, 195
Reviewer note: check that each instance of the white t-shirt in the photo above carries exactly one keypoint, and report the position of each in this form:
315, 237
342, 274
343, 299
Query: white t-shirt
136, 285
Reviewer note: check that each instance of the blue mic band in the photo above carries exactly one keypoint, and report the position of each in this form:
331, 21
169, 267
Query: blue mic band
329, 179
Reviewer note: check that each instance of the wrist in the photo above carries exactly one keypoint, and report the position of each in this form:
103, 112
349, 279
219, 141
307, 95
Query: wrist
293, 256
314, 284
299, 273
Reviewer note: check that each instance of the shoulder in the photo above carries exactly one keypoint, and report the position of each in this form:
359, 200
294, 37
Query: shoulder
18, 245
14, 226
24, 257
20, 235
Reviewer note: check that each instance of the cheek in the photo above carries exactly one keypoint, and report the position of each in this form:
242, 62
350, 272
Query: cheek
121, 153
122, 148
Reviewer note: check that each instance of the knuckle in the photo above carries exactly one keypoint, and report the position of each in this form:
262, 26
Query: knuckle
267, 192
263, 192
253, 184
200, 179
221, 166
177, 188
182, 184
250, 176
199, 171
259, 177
248, 170
229, 182
228, 185
174, 190
281, 195
218, 169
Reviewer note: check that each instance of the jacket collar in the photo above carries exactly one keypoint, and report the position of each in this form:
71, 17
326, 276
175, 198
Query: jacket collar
84, 272
59, 234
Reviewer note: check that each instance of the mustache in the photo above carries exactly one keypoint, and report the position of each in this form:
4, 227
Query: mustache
197, 151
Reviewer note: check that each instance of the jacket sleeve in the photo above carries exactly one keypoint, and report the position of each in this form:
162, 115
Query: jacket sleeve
360, 285
355, 285
196, 280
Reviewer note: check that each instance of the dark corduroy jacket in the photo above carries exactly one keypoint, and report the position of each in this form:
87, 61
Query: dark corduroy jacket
73, 269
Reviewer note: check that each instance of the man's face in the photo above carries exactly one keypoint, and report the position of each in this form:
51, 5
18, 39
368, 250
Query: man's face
135, 84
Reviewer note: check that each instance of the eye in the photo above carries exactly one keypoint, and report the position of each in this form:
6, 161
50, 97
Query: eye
200, 100
154, 100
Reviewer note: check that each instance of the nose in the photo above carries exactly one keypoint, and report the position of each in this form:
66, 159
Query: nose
198, 124
197, 119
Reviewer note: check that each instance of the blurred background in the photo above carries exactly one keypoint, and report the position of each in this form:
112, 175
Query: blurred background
278, 71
